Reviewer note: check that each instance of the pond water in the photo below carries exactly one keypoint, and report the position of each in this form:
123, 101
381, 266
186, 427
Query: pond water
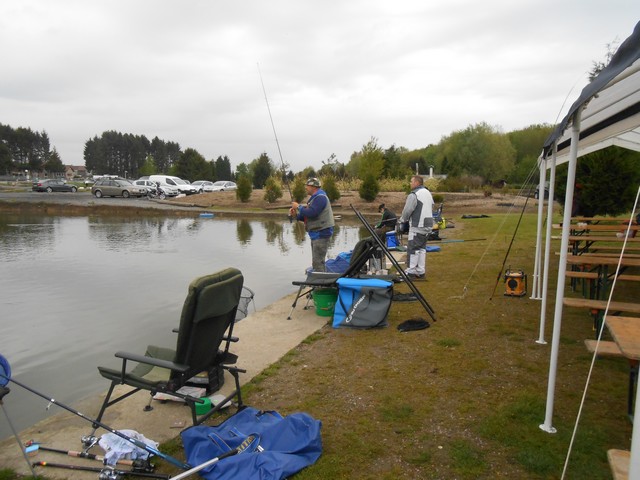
76, 289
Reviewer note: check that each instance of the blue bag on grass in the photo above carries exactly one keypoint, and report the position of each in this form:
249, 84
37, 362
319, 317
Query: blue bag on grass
287, 445
362, 303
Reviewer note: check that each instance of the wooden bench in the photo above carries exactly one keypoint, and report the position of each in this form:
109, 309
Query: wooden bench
619, 462
605, 348
629, 278
588, 287
598, 227
601, 305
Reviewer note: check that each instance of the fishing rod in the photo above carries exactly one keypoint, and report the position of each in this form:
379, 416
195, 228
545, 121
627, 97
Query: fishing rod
5, 373
273, 126
106, 473
395, 263
137, 465
506, 256
4, 390
456, 240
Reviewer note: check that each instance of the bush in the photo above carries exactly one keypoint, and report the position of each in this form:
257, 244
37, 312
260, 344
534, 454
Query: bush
329, 186
272, 190
298, 191
369, 189
438, 198
243, 193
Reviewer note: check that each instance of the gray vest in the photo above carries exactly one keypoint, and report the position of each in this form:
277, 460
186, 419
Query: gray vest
322, 221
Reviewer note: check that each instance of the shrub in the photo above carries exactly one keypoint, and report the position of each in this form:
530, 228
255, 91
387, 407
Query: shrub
243, 193
369, 189
438, 198
272, 190
329, 186
298, 191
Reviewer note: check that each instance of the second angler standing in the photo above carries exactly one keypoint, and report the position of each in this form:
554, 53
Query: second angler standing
418, 211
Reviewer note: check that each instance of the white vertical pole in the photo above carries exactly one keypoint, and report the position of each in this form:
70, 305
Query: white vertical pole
562, 270
535, 290
547, 246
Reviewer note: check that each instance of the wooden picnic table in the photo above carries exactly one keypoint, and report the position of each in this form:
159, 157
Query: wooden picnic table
601, 264
626, 333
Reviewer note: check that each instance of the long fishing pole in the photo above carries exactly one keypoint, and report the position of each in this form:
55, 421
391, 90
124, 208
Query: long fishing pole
273, 126
138, 465
506, 256
4, 367
106, 473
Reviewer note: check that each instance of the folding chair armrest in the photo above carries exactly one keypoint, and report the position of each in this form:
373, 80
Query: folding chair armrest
156, 362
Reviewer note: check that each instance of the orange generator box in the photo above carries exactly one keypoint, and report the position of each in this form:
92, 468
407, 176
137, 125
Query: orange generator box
515, 283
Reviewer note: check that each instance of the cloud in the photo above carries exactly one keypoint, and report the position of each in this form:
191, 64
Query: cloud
336, 73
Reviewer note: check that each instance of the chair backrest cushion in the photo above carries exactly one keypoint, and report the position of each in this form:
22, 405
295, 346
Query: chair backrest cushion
208, 311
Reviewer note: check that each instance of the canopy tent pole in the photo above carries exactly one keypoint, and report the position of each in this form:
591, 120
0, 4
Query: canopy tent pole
547, 248
562, 270
535, 290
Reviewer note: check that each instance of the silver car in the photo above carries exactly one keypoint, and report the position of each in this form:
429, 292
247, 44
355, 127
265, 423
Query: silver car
168, 190
114, 187
223, 185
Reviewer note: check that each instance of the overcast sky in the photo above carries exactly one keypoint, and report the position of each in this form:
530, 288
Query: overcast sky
336, 73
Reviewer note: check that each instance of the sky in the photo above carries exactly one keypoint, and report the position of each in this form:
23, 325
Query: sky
336, 72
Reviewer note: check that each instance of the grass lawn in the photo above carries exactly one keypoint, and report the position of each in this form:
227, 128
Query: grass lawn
463, 399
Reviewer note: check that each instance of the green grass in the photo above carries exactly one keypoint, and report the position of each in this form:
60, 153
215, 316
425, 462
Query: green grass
465, 398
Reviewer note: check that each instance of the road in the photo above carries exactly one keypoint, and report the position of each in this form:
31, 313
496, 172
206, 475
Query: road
86, 199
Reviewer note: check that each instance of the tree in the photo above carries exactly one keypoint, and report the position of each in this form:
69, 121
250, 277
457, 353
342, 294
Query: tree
369, 160
243, 192
369, 189
262, 169
272, 189
393, 164
297, 190
53, 163
329, 186
223, 168
598, 66
149, 167
6, 164
527, 143
192, 166
606, 182
479, 150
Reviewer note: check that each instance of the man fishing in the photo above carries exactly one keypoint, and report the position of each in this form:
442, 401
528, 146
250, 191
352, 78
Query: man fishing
318, 222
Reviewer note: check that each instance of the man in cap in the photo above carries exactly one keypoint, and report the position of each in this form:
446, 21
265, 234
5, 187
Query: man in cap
318, 221
418, 211
387, 222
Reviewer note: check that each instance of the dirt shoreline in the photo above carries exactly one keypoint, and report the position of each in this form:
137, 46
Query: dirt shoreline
226, 204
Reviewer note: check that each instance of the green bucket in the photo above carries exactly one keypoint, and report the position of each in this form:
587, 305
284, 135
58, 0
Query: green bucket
325, 301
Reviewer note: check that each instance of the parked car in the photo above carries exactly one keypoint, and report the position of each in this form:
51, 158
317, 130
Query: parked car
53, 185
536, 194
115, 187
177, 182
224, 185
203, 185
168, 190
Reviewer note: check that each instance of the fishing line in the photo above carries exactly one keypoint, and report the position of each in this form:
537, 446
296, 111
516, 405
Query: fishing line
273, 126
495, 235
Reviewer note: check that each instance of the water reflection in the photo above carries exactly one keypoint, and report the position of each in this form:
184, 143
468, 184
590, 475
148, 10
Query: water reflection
76, 289
244, 232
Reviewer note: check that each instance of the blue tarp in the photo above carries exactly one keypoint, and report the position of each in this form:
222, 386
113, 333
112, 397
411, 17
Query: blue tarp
287, 445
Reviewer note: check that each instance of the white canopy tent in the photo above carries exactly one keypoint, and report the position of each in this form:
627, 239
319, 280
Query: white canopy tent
606, 113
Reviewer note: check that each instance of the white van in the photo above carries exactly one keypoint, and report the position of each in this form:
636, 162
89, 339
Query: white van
176, 182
